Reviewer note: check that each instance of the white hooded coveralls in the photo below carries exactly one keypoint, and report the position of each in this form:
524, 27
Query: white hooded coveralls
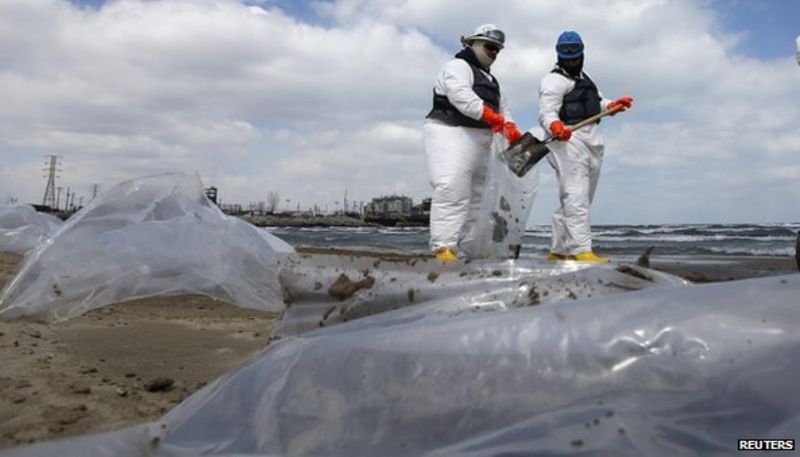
577, 165
458, 158
797, 54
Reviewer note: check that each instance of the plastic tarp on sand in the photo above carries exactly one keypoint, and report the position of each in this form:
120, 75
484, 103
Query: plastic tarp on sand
157, 235
22, 228
324, 290
661, 371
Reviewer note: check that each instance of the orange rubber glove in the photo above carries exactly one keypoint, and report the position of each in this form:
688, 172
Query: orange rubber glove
625, 102
492, 118
511, 132
560, 131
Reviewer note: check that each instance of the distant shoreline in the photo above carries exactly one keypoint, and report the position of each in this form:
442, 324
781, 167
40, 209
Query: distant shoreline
287, 220
324, 221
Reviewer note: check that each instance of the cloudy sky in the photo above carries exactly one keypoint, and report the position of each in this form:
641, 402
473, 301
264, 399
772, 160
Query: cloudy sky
315, 99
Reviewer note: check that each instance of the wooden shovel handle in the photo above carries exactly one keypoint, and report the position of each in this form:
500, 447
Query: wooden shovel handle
596, 117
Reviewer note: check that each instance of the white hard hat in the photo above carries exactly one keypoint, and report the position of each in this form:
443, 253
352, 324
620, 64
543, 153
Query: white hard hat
490, 33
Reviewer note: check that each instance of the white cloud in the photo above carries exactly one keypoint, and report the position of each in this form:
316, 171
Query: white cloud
255, 100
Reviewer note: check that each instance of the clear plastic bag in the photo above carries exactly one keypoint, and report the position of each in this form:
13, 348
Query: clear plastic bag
500, 225
22, 228
157, 235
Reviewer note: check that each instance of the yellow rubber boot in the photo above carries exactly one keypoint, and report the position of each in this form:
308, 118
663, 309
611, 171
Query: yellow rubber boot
589, 256
446, 255
554, 256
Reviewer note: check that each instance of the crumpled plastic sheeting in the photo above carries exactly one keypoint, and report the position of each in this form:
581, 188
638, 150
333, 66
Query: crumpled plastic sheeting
322, 290
662, 371
157, 235
497, 231
23, 228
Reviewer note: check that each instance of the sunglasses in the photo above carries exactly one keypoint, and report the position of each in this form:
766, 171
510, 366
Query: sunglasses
491, 47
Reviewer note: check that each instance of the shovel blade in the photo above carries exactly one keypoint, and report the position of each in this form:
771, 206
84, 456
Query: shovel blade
524, 154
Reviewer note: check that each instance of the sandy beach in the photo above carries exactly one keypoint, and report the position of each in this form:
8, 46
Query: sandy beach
117, 366
131, 362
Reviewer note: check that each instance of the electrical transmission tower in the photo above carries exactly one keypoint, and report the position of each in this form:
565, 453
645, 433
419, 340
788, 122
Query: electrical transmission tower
95, 189
52, 169
58, 196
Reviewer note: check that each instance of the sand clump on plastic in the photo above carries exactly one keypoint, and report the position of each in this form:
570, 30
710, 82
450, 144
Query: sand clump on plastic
120, 365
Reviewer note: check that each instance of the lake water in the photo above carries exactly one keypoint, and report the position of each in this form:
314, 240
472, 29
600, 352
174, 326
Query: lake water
678, 239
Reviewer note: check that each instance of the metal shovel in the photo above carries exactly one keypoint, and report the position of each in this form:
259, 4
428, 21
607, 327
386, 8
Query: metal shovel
529, 150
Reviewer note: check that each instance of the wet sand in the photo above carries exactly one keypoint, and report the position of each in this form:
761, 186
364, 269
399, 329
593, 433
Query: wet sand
131, 362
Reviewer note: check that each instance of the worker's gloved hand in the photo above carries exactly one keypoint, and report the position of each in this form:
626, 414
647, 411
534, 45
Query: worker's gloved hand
624, 102
560, 131
491, 117
511, 132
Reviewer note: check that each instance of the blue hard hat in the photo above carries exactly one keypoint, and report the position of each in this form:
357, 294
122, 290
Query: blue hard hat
569, 45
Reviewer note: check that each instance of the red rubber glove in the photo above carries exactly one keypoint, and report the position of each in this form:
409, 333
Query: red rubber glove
625, 102
491, 117
511, 132
560, 131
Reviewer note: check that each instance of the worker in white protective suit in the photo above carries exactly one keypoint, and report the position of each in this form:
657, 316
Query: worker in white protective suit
468, 108
797, 54
567, 96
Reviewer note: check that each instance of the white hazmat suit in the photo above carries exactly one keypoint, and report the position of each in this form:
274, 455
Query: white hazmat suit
797, 54
458, 157
577, 165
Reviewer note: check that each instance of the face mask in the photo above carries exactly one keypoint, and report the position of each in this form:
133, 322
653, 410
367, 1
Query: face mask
571, 66
483, 56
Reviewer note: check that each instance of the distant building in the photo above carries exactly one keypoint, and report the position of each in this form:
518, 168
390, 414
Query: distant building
232, 209
422, 212
397, 210
389, 207
211, 194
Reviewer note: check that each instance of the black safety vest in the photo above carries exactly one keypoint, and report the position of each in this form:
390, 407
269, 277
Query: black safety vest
487, 88
581, 102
